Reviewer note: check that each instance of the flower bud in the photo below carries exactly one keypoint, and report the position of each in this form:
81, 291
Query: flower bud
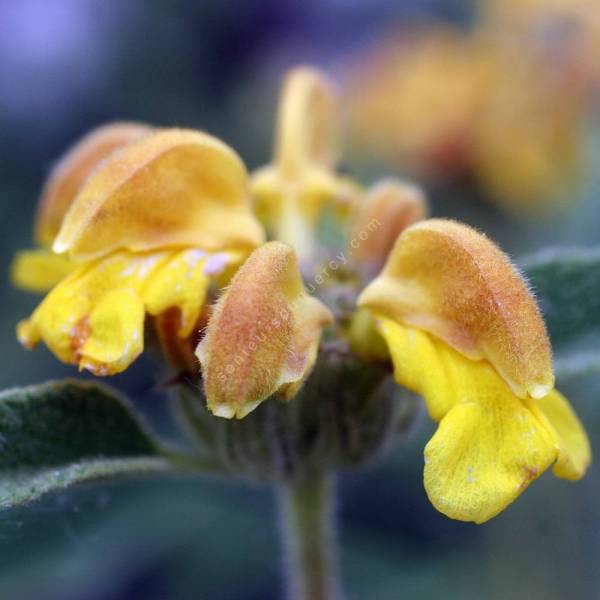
176, 187
308, 125
73, 169
291, 194
452, 281
263, 335
389, 208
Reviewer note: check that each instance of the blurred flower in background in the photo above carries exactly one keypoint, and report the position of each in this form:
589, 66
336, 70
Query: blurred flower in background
506, 102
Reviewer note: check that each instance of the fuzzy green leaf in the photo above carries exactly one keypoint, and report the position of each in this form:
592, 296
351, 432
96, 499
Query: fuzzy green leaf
566, 282
60, 433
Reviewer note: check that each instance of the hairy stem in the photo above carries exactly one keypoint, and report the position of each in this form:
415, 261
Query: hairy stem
307, 507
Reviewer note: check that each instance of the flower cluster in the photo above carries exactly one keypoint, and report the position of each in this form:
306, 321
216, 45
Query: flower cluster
505, 102
142, 225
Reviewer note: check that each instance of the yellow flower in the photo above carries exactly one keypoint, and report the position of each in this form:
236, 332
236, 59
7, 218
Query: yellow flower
465, 333
148, 230
263, 335
145, 234
40, 269
443, 101
528, 152
418, 99
167, 213
291, 194
566, 32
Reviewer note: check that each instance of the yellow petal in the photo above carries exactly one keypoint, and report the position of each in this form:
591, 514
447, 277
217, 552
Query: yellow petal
176, 296
60, 320
389, 208
262, 336
488, 446
176, 187
181, 281
574, 453
452, 281
39, 270
486, 451
73, 169
116, 327
95, 317
78, 316
422, 364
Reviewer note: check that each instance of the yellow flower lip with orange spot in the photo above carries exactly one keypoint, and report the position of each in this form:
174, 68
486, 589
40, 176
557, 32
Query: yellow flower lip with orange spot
291, 193
465, 333
489, 445
263, 335
95, 317
448, 279
148, 231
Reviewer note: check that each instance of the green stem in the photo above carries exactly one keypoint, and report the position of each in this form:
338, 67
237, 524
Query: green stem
307, 509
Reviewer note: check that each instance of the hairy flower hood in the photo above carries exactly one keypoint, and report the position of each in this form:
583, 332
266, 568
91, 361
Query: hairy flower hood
448, 279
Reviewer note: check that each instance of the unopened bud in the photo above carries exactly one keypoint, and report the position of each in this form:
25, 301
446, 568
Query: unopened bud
389, 208
263, 335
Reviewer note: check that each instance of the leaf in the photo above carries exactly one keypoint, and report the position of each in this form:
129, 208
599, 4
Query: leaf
20, 487
60, 433
566, 282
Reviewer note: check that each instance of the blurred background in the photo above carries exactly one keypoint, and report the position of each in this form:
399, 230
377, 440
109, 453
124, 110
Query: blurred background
491, 105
